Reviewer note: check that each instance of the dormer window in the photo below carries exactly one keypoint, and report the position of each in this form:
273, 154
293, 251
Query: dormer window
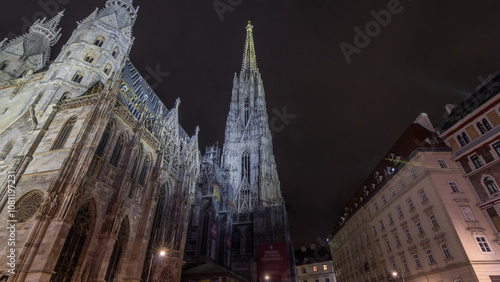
99, 41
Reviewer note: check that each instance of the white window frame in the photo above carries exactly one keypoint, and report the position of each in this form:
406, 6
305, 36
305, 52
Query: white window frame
413, 174
433, 220
410, 204
483, 243
416, 260
430, 258
423, 196
420, 230
400, 211
445, 251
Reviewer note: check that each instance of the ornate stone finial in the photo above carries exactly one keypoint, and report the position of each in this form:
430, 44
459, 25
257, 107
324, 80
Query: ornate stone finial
197, 130
177, 102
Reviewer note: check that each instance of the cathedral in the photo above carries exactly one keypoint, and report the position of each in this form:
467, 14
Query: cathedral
101, 183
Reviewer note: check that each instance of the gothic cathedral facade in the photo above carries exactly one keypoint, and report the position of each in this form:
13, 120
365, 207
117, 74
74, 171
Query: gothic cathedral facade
243, 188
96, 173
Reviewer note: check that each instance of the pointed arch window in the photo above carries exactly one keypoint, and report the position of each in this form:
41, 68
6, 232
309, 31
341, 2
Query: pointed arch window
107, 69
236, 242
77, 77
63, 134
4, 65
247, 110
115, 52
144, 171
136, 163
89, 58
118, 150
245, 166
205, 231
118, 249
74, 245
490, 184
66, 96
249, 241
99, 41
104, 140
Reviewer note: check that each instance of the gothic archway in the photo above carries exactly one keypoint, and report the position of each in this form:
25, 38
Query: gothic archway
75, 244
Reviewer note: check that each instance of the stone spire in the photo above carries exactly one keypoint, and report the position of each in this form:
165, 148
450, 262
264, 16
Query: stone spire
249, 58
49, 28
125, 5
30, 51
248, 149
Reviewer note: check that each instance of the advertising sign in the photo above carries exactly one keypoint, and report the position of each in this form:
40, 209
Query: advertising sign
272, 263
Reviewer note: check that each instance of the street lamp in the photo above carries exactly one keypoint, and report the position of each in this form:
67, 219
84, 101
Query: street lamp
161, 254
398, 271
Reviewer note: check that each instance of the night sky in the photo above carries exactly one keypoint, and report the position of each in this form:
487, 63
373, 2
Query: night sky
430, 53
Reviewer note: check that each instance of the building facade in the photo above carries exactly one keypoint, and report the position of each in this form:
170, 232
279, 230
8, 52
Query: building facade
472, 130
314, 264
415, 216
97, 174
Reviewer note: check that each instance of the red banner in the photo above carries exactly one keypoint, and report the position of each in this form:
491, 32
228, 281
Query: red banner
272, 263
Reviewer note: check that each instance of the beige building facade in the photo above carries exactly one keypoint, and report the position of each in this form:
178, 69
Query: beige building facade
415, 216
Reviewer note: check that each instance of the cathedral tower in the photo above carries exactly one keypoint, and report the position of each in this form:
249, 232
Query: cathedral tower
248, 149
31, 51
260, 220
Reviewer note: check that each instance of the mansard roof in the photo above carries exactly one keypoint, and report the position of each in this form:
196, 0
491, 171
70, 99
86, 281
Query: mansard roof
488, 90
417, 137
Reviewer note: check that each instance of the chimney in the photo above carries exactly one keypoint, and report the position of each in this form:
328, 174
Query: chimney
303, 248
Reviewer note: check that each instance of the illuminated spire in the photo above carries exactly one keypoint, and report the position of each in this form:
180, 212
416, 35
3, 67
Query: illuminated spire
249, 58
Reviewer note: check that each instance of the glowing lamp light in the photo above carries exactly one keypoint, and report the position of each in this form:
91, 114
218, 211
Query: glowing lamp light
395, 274
267, 277
162, 253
